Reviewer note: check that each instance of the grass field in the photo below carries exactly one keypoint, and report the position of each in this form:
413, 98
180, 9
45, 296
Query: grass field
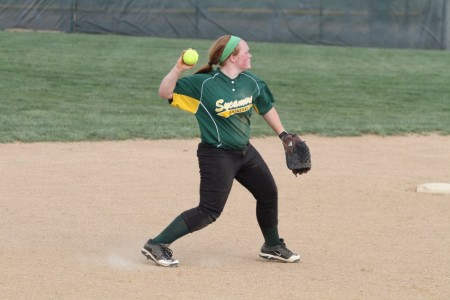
74, 87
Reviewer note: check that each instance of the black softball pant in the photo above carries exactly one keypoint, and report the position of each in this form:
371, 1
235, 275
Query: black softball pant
218, 169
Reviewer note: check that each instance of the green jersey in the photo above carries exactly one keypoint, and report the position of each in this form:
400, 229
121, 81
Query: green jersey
223, 106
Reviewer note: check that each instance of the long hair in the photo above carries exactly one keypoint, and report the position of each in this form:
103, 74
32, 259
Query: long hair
215, 52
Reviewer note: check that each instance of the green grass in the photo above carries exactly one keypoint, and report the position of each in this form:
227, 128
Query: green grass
73, 87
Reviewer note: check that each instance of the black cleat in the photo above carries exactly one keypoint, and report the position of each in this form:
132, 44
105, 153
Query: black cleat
160, 254
279, 253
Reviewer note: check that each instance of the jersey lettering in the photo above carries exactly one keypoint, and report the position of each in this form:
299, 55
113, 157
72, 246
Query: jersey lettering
226, 109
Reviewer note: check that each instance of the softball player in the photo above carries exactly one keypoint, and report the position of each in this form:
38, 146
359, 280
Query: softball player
223, 101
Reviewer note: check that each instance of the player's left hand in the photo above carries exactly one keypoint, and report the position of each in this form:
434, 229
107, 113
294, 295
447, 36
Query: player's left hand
298, 156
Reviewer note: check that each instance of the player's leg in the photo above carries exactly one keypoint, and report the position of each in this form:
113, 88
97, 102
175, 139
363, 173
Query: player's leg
255, 175
257, 178
217, 170
214, 191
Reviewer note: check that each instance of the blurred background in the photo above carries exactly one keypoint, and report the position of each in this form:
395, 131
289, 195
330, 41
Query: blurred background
419, 24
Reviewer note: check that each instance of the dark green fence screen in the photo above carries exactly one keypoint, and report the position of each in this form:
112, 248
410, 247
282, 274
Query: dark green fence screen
365, 23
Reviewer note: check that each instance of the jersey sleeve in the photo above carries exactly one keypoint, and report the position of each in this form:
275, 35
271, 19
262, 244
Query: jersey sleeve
264, 100
185, 96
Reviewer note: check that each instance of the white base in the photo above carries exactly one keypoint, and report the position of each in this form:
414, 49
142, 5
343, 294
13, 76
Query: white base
434, 188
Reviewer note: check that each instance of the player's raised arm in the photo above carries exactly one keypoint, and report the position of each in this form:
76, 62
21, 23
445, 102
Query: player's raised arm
170, 80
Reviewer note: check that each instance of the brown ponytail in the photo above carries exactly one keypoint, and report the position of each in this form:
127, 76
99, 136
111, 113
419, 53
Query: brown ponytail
215, 52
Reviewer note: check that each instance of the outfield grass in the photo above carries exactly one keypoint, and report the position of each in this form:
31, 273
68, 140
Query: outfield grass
73, 87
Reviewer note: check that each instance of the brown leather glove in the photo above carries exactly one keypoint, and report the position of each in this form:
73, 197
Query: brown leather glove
298, 156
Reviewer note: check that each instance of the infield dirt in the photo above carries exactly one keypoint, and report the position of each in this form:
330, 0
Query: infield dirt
75, 215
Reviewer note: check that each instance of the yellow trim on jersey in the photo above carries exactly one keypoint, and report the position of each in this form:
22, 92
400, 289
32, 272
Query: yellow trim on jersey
255, 108
186, 103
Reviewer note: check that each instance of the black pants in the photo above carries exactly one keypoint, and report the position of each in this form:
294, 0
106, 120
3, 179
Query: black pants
218, 169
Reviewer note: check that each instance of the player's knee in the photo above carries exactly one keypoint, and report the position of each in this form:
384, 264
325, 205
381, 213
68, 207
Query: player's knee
268, 200
199, 217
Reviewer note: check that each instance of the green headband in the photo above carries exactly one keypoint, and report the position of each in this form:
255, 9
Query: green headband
229, 47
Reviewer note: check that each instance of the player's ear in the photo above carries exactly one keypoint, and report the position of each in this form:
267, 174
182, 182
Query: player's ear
232, 58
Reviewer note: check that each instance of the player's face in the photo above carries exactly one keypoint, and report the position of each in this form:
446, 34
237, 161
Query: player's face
243, 59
